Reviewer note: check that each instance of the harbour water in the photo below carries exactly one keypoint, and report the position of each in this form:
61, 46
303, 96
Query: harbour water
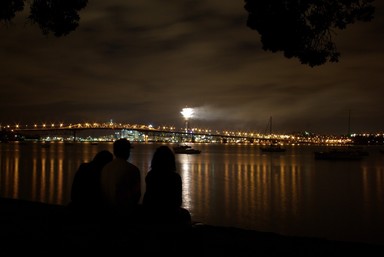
289, 193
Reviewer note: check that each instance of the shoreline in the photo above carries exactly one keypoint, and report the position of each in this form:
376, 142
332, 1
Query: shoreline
43, 229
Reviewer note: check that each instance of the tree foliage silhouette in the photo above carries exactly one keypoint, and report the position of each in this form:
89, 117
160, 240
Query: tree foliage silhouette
305, 28
59, 17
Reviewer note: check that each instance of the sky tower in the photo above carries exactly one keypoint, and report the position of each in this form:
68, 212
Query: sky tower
187, 114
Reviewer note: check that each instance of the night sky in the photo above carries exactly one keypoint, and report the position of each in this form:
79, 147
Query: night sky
143, 61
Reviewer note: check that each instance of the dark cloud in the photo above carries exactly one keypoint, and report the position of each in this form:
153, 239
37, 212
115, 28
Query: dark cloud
143, 61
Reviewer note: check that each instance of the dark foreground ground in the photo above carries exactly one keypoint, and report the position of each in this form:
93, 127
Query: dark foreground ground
37, 229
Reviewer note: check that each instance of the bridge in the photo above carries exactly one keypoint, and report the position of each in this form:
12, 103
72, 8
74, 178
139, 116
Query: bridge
148, 132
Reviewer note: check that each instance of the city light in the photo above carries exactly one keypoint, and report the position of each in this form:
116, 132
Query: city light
168, 133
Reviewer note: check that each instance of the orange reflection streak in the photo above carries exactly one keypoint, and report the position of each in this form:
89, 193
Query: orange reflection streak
240, 188
234, 189
59, 198
42, 179
15, 192
86, 152
34, 179
226, 190
264, 187
208, 196
283, 190
252, 182
7, 176
258, 190
51, 181
373, 183
275, 189
199, 187
295, 189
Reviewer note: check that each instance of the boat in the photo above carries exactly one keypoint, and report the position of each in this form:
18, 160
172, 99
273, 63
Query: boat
185, 149
339, 154
274, 146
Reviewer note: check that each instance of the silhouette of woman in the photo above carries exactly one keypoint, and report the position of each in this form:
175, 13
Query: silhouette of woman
162, 200
86, 190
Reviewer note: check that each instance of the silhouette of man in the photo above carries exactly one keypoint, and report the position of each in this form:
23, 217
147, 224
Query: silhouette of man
120, 180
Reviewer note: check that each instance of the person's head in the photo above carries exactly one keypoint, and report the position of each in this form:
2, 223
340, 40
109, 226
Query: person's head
122, 148
103, 157
163, 159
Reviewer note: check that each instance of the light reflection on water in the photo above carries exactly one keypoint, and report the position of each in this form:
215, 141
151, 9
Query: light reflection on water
229, 185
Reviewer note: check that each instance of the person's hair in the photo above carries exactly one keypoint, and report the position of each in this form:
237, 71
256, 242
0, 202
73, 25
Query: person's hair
122, 148
163, 159
103, 157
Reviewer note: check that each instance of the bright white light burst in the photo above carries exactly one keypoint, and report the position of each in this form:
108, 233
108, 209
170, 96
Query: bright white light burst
187, 113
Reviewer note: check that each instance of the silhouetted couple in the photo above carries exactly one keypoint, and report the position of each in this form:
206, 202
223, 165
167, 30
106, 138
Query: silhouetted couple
114, 187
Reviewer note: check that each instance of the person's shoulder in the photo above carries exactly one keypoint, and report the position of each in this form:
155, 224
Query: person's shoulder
150, 175
83, 166
110, 165
175, 175
132, 166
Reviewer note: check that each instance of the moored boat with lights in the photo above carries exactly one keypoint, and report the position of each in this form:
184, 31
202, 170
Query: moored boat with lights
273, 146
185, 149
